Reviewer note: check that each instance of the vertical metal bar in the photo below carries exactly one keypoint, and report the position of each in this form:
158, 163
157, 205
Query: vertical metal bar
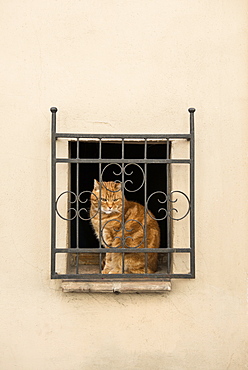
99, 211
145, 206
192, 192
168, 220
53, 191
123, 204
77, 206
100, 231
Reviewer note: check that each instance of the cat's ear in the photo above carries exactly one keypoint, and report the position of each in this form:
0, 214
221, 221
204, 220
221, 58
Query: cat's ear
118, 186
96, 185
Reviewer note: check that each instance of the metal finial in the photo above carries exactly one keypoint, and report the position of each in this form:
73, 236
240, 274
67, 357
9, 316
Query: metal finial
53, 109
191, 110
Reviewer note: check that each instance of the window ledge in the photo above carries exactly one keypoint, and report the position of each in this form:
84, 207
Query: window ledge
115, 286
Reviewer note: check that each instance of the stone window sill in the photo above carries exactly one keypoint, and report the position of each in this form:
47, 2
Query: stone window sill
120, 286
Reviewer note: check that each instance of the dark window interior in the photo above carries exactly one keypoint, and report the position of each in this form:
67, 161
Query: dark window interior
155, 177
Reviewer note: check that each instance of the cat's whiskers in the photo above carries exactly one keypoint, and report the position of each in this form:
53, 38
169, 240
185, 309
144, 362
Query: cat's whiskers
109, 211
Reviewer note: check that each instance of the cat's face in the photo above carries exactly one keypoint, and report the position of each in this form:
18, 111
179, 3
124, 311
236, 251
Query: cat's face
109, 195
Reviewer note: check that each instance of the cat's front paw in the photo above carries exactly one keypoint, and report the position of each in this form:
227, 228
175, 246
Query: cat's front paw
105, 271
111, 271
115, 272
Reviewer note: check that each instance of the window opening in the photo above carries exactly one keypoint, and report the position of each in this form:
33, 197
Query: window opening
143, 166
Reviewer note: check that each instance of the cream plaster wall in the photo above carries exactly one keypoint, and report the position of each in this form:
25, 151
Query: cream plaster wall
124, 66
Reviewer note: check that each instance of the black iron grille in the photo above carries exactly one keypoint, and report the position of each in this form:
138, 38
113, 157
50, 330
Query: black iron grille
144, 166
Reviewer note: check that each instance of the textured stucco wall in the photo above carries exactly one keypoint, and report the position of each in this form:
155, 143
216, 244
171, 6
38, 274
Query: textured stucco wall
124, 66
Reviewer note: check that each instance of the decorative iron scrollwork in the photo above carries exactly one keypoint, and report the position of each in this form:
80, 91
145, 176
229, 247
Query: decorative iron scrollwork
76, 202
76, 210
123, 170
123, 237
166, 198
71, 209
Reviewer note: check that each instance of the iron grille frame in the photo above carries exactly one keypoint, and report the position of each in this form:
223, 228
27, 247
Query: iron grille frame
169, 251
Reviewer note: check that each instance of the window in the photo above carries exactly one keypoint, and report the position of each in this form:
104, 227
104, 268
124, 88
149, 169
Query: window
154, 171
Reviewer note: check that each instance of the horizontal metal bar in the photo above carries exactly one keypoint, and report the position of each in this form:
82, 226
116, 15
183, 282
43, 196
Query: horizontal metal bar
117, 277
122, 136
117, 160
122, 250
109, 279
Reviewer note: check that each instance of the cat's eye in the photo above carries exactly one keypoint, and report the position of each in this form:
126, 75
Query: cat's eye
115, 200
103, 200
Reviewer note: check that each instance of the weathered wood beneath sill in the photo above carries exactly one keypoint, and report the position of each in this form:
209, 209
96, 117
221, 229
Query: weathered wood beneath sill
115, 286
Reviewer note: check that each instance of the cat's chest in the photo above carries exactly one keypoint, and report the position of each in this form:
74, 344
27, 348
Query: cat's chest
106, 224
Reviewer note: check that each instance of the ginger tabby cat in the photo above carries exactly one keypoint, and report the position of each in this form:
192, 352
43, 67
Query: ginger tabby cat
106, 215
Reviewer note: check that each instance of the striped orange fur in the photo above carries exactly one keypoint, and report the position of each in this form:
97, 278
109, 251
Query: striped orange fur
107, 219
